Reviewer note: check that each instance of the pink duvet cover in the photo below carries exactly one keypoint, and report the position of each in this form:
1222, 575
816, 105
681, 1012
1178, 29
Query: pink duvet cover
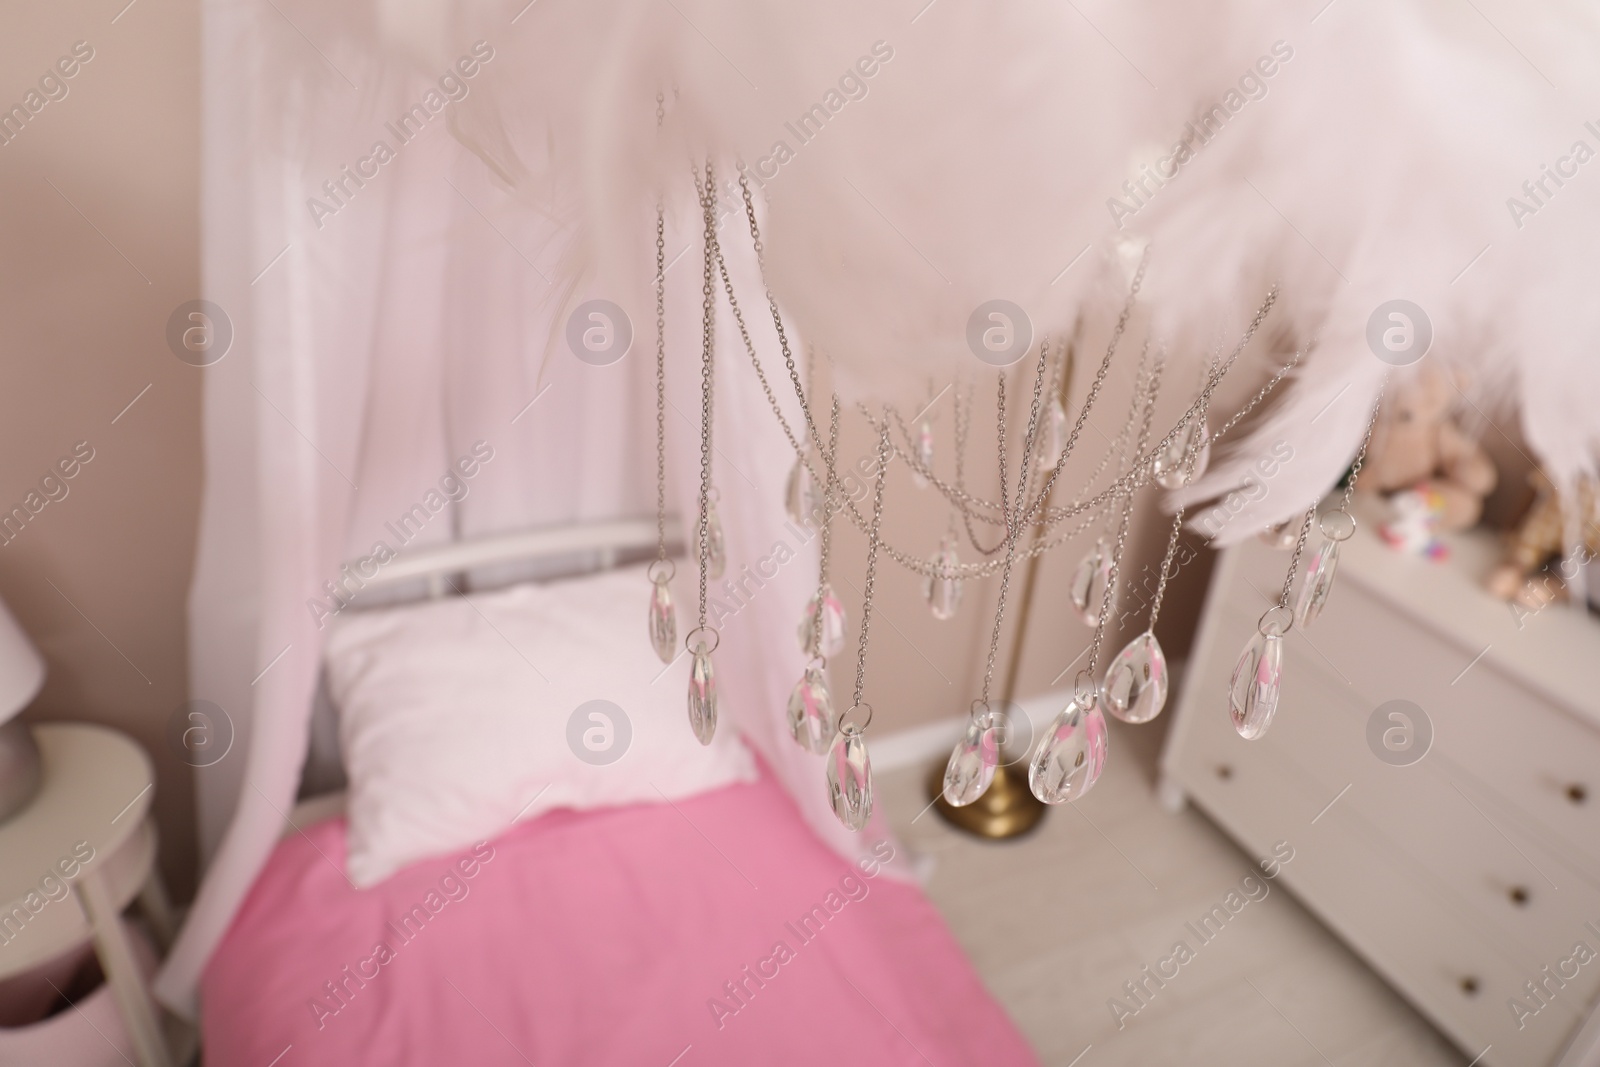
714, 931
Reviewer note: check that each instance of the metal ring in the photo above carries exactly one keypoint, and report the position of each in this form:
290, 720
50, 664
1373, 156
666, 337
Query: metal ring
688, 639
1338, 525
817, 662
851, 728
1084, 680
1270, 616
672, 570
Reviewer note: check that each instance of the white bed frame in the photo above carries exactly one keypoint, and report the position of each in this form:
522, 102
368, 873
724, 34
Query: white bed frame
608, 542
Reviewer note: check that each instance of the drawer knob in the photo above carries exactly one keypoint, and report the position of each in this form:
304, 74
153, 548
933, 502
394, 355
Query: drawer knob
1519, 896
1577, 793
1469, 986
1224, 771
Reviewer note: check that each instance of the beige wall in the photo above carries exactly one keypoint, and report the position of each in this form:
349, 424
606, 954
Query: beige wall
99, 578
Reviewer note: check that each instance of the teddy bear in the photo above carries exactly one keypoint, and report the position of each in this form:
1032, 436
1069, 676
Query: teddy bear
1540, 538
1434, 476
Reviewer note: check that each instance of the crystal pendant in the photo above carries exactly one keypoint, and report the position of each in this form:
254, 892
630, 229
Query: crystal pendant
1281, 535
821, 629
800, 497
716, 544
1171, 465
973, 760
811, 711
1135, 686
924, 453
943, 590
1091, 583
663, 621
850, 778
702, 695
1317, 584
1069, 761
1256, 685
1055, 435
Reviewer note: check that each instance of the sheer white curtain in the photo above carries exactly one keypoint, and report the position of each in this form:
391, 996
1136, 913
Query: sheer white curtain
375, 346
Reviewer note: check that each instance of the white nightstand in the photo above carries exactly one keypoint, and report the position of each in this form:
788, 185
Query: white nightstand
90, 828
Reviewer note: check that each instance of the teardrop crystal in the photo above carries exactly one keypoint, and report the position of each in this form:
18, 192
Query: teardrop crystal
1091, 583
702, 695
716, 544
973, 760
811, 711
1135, 686
801, 498
850, 778
1055, 435
943, 589
663, 621
924, 454
1317, 584
1172, 467
1282, 534
1257, 681
821, 629
1069, 760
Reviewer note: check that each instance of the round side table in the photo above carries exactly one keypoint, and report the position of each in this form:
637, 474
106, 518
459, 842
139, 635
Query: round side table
81, 851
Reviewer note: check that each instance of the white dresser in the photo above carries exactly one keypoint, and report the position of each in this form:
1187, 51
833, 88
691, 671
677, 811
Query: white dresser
1459, 877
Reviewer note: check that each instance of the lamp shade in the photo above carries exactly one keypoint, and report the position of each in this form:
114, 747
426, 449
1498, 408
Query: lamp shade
21, 667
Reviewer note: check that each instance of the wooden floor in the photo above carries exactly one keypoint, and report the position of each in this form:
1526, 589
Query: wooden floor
1058, 922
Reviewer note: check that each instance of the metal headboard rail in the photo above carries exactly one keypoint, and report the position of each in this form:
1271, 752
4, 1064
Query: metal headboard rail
608, 540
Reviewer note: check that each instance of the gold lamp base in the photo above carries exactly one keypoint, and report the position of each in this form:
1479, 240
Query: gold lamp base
1006, 810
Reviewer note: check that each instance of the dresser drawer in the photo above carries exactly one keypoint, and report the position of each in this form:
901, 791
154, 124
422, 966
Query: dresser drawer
1350, 877
1442, 827
1542, 760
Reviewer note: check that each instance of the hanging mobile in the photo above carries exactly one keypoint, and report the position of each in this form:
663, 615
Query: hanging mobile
1068, 762
800, 500
972, 763
821, 628
1186, 455
941, 588
1092, 593
1337, 527
702, 675
849, 768
663, 613
1257, 681
1135, 686
924, 446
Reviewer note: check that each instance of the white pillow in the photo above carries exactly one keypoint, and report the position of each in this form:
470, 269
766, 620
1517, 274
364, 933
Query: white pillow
455, 716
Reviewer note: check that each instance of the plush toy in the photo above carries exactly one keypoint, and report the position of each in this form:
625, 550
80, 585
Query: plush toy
1437, 475
1413, 523
1539, 538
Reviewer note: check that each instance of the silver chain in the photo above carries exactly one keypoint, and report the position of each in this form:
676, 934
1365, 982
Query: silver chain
1013, 526
708, 207
661, 380
871, 579
1361, 453
829, 487
1150, 388
1294, 560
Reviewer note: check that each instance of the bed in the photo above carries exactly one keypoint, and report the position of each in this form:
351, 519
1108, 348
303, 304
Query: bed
716, 930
